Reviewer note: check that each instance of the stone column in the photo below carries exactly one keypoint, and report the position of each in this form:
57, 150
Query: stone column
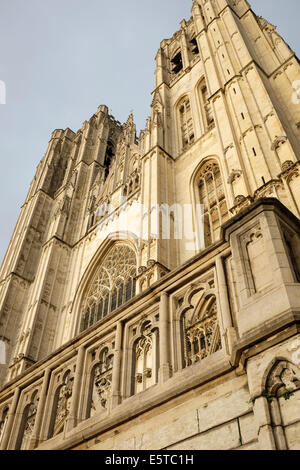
229, 331
73, 415
263, 421
116, 374
184, 48
164, 369
277, 425
10, 421
35, 438
159, 78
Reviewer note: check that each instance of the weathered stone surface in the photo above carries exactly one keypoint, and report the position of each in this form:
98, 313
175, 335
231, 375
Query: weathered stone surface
292, 434
224, 409
223, 438
251, 446
134, 340
290, 409
178, 429
248, 428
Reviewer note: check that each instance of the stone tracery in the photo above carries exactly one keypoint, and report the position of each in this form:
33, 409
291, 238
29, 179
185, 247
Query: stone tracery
284, 376
101, 383
62, 404
201, 331
3, 421
186, 122
113, 285
212, 196
28, 422
145, 358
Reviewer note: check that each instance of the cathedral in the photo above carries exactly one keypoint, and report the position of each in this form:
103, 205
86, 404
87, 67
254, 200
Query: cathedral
150, 293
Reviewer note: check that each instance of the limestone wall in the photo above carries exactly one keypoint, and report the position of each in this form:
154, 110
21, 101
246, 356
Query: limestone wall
145, 377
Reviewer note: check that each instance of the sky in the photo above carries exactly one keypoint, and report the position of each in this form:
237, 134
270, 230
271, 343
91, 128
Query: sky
61, 59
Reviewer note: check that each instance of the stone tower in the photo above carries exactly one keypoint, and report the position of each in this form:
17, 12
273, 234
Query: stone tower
151, 285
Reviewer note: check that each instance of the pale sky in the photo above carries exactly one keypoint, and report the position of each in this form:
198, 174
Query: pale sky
61, 59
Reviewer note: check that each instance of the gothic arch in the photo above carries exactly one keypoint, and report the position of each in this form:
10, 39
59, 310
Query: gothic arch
62, 394
112, 285
133, 163
281, 383
3, 420
198, 321
208, 187
90, 271
176, 59
135, 332
3, 360
274, 377
204, 106
185, 123
99, 381
284, 376
145, 356
200, 288
27, 421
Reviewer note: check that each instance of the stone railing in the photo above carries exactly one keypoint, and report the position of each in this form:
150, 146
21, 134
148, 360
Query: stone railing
89, 385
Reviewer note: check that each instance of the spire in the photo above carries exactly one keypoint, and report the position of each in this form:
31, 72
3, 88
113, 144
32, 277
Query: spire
130, 119
130, 128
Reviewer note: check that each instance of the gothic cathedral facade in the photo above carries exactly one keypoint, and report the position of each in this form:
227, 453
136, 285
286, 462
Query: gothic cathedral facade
113, 336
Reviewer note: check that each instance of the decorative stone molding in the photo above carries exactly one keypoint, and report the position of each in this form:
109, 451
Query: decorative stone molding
290, 170
269, 115
234, 175
249, 69
278, 142
132, 183
3, 419
63, 402
270, 189
284, 376
103, 387
147, 275
112, 285
264, 24
30, 411
145, 354
229, 147
251, 235
240, 203
287, 165
201, 330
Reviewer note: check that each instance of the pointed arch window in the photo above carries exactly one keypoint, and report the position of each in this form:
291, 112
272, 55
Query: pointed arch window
293, 251
201, 332
194, 46
186, 122
212, 196
2, 352
27, 424
208, 116
113, 285
176, 63
100, 383
3, 422
109, 154
61, 405
145, 366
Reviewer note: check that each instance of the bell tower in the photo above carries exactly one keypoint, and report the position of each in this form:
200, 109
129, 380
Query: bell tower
225, 83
